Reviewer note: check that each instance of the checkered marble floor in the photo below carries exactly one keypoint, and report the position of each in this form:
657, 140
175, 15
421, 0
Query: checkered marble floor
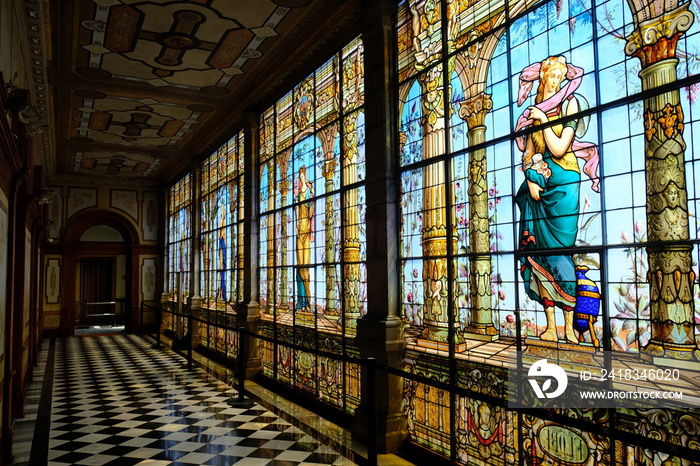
118, 401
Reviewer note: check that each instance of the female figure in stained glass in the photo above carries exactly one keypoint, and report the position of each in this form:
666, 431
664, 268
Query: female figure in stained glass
549, 197
222, 265
303, 191
221, 201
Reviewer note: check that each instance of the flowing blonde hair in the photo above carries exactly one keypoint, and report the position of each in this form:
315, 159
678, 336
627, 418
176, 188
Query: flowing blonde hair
546, 66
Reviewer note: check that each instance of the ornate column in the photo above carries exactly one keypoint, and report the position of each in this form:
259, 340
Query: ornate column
247, 310
330, 165
271, 241
473, 110
283, 160
670, 274
435, 225
380, 331
194, 300
435, 276
351, 234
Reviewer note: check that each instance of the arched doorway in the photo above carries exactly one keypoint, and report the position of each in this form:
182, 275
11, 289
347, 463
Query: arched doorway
99, 260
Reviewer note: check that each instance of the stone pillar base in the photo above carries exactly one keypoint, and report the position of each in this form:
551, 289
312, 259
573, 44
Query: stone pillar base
384, 341
390, 439
672, 355
249, 317
194, 304
437, 336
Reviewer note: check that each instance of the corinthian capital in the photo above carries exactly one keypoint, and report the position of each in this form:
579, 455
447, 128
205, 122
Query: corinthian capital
655, 39
473, 110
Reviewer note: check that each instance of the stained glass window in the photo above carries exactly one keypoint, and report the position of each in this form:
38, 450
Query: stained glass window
536, 185
221, 243
548, 201
312, 228
179, 247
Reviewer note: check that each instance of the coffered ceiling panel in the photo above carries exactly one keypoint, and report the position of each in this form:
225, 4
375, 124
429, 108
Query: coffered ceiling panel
115, 164
128, 121
193, 45
140, 83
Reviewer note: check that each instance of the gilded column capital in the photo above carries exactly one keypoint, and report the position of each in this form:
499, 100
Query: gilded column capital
329, 167
431, 100
656, 39
350, 137
283, 161
473, 110
327, 136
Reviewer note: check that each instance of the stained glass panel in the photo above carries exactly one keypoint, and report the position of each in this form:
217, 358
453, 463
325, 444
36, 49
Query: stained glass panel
427, 408
546, 441
179, 244
221, 211
313, 274
304, 105
485, 434
353, 77
419, 35
179, 239
267, 135
536, 220
410, 136
284, 122
327, 105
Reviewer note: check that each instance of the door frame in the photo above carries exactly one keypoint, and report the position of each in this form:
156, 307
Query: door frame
74, 249
108, 262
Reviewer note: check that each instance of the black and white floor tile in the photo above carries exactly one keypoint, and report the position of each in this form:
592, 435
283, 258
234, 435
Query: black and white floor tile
118, 401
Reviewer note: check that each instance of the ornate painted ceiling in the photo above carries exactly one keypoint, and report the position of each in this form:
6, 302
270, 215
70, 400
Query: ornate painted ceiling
140, 88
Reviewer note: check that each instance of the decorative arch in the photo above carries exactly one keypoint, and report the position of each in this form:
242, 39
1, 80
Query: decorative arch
309, 131
90, 218
472, 65
74, 248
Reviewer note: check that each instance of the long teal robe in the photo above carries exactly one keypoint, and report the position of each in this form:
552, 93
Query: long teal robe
550, 222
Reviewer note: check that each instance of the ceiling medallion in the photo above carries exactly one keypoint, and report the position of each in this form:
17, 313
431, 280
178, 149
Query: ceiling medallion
178, 41
94, 25
250, 53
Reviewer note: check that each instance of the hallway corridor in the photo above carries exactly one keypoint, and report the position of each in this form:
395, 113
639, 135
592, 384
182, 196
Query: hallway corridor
118, 401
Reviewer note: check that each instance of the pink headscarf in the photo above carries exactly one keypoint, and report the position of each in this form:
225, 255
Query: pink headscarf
583, 150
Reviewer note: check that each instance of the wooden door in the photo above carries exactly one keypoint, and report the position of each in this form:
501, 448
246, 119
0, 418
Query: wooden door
96, 286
